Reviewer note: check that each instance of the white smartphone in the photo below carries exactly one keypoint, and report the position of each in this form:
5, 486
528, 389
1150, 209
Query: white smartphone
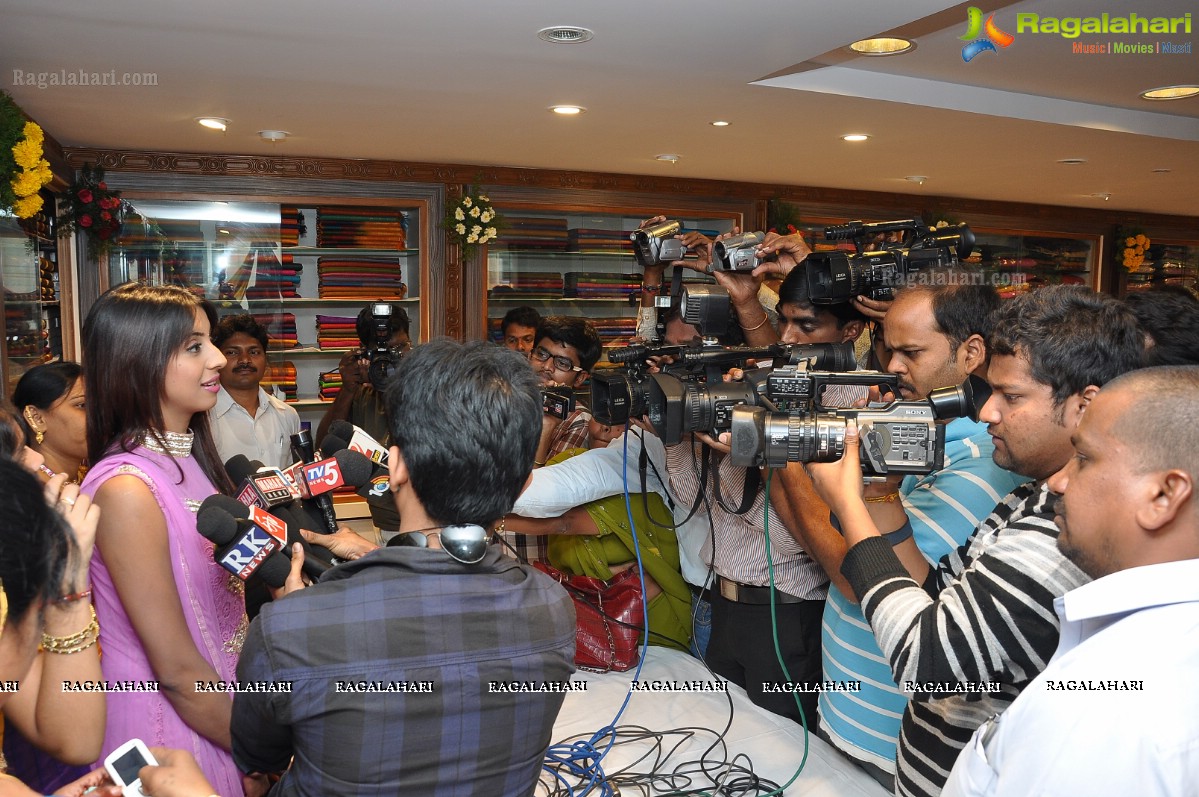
125, 762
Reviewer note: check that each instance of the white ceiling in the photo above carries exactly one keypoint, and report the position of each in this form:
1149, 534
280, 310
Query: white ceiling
466, 81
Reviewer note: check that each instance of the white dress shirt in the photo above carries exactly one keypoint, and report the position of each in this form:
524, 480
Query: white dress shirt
265, 437
1116, 712
601, 472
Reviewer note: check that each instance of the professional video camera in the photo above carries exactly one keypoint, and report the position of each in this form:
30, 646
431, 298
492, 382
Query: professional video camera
382, 355
657, 245
903, 437
834, 277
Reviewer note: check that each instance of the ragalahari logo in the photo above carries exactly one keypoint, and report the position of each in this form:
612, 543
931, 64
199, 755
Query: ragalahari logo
994, 36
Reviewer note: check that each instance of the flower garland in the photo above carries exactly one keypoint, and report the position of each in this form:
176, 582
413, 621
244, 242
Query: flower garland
1132, 245
95, 210
472, 221
23, 169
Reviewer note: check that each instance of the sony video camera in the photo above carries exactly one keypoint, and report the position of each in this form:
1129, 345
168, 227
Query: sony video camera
657, 245
382, 355
836, 277
903, 437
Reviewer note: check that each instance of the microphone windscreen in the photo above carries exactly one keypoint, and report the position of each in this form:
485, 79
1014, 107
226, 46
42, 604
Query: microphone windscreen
342, 429
274, 570
215, 524
239, 468
332, 444
231, 505
356, 470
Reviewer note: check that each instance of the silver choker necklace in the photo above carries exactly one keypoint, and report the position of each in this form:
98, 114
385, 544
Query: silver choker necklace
178, 444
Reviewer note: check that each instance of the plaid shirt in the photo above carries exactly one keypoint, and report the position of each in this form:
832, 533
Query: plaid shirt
406, 616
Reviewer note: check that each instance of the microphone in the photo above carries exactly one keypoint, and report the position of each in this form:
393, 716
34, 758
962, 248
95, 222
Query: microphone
256, 488
220, 514
244, 545
360, 441
301, 446
376, 485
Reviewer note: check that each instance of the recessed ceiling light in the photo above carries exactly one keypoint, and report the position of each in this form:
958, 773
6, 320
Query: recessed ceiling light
1161, 171
1104, 195
565, 34
273, 135
719, 123
567, 110
667, 158
1072, 161
855, 137
213, 122
883, 45
1171, 92
918, 179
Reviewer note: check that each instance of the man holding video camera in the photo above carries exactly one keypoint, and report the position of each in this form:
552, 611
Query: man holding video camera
936, 331
383, 332
966, 636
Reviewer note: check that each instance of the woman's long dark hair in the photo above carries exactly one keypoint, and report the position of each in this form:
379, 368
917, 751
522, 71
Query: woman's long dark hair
35, 542
129, 338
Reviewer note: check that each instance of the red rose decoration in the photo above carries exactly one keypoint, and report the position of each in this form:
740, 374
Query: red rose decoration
85, 196
105, 215
85, 220
103, 186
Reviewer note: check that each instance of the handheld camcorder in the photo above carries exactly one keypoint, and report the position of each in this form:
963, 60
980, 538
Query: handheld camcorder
382, 355
739, 253
558, 401
903, 437
657, 245
836, 277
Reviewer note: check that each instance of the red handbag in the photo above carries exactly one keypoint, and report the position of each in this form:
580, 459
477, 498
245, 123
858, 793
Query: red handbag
609, 618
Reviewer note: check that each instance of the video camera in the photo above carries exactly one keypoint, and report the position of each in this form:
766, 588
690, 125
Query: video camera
689, 394
739, 253
903, 437
657, 245
382, 355
558, 401
836, 277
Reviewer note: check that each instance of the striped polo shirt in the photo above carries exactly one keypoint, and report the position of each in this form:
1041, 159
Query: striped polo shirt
944, 508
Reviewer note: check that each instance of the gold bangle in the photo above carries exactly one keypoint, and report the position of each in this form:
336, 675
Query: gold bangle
75, 643
889, 498
500, 528
765, 318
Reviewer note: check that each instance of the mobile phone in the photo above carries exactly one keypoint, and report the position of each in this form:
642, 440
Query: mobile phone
125, 762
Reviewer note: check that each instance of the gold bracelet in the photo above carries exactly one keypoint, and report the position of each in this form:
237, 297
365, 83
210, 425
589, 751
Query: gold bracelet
500, 528
75, 643
765, 318
889, 498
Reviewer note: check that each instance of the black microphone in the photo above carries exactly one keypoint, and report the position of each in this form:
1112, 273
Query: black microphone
376, 488
301, 446
316, 560
244, 546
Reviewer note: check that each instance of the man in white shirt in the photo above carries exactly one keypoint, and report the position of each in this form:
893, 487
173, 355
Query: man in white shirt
246, 419
1115, 711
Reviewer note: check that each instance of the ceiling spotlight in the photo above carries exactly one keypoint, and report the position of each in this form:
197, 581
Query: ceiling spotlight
273, 135
667, 158
918, 179
213, 122
1171, 92
719, 123
855, 137
1105, 196
1072, 161
883, 45
567, 110
565, 34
